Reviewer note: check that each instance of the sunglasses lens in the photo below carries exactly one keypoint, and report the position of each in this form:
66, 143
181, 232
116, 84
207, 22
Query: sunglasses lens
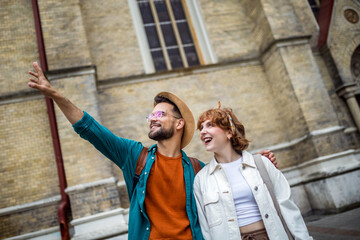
158, 114
149, 117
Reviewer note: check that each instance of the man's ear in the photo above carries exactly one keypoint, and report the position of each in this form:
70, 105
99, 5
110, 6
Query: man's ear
180, 123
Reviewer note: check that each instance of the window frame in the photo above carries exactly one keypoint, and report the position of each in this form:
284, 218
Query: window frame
196, 24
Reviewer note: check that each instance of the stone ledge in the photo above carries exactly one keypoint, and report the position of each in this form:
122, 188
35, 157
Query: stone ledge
102, 225
70, 72
30, 206
99, 216
284, 145
323, 167
46, 234
21, 96
85, 186
326, 130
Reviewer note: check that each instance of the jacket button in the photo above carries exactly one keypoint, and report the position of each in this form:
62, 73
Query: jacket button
256, 188
266, 215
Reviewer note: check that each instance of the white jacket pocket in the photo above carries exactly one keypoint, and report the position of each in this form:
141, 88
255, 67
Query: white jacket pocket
212, 208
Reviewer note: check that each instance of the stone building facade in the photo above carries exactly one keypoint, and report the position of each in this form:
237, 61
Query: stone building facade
292, 76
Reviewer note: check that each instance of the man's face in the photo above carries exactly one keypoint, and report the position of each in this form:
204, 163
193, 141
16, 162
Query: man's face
162, 128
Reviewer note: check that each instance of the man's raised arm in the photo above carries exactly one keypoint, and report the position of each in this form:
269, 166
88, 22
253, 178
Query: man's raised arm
71, 112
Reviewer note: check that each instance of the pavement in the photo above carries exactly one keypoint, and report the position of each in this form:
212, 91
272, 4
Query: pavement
339, 226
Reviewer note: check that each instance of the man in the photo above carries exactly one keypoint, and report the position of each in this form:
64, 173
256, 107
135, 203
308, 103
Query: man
162, 205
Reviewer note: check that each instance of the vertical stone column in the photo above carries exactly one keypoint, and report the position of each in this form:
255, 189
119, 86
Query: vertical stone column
308, 115
295, 77
348, 92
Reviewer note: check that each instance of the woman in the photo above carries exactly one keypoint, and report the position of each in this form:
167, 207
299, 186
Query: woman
231, 198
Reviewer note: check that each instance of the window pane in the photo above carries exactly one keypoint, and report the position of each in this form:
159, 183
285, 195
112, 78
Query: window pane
175, 58
146, 14
162, 11
159, 60
191, 56
152, 36
184, 32
314, 7
177, 9
169, 35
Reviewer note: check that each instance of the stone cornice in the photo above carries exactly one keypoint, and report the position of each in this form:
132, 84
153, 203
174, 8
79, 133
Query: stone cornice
32, 205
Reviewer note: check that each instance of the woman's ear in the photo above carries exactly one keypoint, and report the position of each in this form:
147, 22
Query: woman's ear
229, 134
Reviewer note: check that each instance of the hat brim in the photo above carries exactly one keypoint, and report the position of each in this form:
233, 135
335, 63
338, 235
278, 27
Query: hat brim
186, 113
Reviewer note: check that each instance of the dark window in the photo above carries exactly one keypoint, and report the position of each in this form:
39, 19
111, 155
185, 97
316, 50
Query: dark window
315, 6
159, 60
168, 34
358, 98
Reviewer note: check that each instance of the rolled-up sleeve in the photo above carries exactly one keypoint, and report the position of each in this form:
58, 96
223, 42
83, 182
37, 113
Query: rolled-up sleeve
123, 152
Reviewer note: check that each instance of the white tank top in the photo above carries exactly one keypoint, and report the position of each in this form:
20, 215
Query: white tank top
247, 210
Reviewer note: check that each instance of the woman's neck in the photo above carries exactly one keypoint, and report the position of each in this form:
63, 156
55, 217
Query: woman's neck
227, 155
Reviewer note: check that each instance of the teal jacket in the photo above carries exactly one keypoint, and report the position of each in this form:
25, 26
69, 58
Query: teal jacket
124, 153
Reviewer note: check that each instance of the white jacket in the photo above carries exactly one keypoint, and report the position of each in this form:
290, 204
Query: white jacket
216, 208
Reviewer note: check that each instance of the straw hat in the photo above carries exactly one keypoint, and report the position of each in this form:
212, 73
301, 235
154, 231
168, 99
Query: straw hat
186, 113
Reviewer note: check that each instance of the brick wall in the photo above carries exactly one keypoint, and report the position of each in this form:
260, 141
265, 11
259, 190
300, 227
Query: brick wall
64, 34
28, 168
111, 37
18, 45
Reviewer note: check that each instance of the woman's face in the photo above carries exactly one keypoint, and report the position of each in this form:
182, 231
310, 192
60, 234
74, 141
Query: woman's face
214, 138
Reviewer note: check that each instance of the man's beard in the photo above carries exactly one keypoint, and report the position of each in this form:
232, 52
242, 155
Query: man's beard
161, 134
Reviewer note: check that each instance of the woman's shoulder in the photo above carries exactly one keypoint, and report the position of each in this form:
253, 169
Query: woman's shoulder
203, 171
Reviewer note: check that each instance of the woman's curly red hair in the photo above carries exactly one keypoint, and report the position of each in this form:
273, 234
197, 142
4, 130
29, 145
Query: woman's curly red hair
221, 118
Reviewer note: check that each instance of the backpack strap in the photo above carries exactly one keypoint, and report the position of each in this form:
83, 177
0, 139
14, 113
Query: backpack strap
140, 165
269, 185
196, 164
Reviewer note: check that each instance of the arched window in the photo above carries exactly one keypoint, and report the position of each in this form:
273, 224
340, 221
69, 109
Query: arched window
355, 65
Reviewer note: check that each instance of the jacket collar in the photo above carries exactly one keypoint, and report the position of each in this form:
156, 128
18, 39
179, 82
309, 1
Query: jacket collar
248, 160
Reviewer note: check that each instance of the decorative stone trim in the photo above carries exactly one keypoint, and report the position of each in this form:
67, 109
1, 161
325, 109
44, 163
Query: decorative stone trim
102, 225
85, 186
70, 72
323, 167
121, 183
350, 130
292, 143
22, 96
46, 234
30, 206
99, 216
326, 130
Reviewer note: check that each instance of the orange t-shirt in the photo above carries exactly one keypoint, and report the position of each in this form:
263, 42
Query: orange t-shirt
165, 200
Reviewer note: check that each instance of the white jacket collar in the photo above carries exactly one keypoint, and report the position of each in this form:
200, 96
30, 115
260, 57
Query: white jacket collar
248, 160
